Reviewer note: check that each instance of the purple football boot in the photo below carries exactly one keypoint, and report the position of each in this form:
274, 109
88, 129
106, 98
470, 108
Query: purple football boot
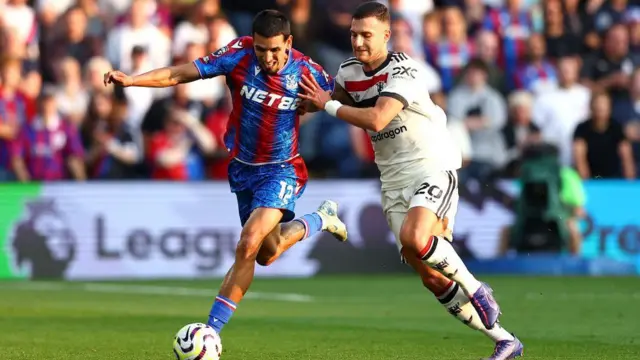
486, 306
507, 349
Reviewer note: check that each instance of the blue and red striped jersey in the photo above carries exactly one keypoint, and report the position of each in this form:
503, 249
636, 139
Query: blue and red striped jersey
263, 125
449, 59
536, 77
513, 30
45, 149
14, 112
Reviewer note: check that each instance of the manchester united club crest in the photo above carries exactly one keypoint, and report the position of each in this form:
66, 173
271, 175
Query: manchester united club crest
291, 82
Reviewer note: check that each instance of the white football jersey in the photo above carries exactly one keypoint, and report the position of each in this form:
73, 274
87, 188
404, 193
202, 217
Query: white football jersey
416, 142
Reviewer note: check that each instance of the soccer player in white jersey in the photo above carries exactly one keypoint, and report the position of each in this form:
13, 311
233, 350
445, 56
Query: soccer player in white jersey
383, 93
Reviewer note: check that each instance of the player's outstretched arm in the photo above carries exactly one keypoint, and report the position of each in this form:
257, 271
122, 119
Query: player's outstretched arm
158, 78
339, 94
374, 118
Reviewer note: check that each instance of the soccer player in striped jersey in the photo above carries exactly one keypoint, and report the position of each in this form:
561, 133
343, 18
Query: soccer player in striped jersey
266, 173
383, 93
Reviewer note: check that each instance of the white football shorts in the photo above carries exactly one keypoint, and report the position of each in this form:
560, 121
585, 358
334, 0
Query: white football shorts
437, 192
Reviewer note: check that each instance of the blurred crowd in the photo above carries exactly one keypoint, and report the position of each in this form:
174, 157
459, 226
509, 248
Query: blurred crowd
510, 74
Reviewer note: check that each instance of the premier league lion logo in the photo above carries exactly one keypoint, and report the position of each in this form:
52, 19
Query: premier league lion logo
43, 244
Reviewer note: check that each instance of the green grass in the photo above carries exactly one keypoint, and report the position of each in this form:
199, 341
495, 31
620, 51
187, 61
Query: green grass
349, 318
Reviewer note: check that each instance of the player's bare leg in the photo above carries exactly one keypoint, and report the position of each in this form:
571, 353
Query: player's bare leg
237, 281
436, 252
262, 240
286, 235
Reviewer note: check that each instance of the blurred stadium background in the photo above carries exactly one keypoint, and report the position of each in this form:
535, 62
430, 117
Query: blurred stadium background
543, 98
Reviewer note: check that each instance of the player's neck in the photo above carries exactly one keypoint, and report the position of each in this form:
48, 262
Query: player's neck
373, 65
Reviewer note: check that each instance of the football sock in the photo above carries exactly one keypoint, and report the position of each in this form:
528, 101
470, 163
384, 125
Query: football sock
221, 312
312, 224
440, 255
458, 304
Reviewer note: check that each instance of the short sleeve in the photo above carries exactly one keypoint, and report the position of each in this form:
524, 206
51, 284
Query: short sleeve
223, 60
580, 132
405, 84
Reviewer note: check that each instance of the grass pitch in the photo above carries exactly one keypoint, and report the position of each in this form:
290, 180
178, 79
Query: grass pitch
334, 318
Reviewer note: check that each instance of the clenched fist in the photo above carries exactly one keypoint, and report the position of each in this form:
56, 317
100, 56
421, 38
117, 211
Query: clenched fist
118, 78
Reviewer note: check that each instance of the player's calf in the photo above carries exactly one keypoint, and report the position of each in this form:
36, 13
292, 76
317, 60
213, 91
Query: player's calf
438, 253
237, 281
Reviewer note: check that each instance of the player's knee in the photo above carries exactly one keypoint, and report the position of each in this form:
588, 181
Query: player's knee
414, 237
248, 247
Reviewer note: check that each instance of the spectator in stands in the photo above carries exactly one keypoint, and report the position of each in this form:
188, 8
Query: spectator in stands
220, 33
15, 110
537, 75
113, 153
401, 41
520, 132
611, 12
218, 160
94, 75
567, 28
71, 97
194, 29
208, 92
632, 19
487, 46
95, 21
139, 98
452, 53
483, 111
333, 33
154, 120
513, 24
50, 10
558, 112
475, 13
137, 30
175, 153
627, 114
609, 70
20, 19
431, 29
72, 41
600, 147
48, 148
12, 47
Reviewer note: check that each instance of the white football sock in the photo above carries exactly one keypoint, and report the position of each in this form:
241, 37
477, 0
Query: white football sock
440, 255
458, 304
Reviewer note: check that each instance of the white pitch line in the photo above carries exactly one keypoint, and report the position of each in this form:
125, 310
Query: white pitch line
155, 290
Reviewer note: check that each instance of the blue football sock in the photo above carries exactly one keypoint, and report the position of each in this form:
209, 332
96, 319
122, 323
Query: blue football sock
312, 224
221, 312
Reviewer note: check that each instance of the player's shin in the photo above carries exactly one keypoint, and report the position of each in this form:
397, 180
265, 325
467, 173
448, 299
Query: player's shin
459, 305
440, 255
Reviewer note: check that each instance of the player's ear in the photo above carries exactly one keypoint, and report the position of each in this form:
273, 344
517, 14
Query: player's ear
387, 35
289, 43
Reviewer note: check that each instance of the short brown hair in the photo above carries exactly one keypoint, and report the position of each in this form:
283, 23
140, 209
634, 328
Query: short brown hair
372, 9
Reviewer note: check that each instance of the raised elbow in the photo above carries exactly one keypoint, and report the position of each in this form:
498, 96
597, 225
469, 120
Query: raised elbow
377, 123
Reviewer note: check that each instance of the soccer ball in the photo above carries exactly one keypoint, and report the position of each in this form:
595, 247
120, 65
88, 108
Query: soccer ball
197, 342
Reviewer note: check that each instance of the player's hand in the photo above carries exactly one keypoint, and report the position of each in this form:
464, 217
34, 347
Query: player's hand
118, 78
313, 92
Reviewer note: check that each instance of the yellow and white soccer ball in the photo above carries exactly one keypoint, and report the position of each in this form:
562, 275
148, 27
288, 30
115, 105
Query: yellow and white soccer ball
197, 342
